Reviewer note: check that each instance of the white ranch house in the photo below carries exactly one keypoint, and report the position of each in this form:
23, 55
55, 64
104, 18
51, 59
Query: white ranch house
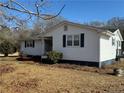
80, 43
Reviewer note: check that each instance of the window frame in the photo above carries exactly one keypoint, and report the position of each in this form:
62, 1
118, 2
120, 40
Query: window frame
113, 41
67, 40
119, 43
77, 40
29, 43
72, 35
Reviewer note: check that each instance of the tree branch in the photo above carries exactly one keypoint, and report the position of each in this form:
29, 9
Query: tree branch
51, 17
26, 11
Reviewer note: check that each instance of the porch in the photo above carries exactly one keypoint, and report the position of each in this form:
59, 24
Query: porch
119, 54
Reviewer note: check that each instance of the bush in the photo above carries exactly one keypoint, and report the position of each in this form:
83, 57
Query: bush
54, 56
7, 47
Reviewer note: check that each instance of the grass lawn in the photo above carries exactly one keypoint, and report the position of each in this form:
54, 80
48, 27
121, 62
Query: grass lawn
17, 77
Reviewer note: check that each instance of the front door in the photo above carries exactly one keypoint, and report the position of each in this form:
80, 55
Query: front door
48, 44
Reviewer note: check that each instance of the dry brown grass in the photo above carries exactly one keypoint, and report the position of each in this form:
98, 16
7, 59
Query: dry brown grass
119, 64
6, 69
34, 78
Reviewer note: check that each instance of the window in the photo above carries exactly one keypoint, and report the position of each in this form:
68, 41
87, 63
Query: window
69, 40
29, 43
65, 27
76, 40
73, 40
119, 43
113, 41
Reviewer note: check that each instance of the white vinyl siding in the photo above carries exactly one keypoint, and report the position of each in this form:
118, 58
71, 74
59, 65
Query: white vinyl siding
65, 27
34, 51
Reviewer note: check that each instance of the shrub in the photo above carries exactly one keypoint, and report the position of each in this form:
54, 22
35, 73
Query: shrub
54, 56
7, 47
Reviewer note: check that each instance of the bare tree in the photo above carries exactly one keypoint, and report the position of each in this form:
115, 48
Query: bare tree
96, 24
10, 10
16, 6
116, 23
40, 25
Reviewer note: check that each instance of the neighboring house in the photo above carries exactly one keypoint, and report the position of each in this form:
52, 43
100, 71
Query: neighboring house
80, 43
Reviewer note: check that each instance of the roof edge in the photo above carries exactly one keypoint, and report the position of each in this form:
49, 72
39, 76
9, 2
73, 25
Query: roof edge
119, 33
79, 25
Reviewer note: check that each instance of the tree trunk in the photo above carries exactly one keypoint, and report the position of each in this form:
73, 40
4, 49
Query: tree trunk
6, 54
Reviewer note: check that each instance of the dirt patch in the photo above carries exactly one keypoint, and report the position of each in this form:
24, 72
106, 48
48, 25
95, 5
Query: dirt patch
19, 86
6, 68
1, 82
22, 73
105, 70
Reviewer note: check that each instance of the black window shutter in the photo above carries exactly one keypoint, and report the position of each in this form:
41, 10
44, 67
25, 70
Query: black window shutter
33, 43
25, 44
64, 40
82, 40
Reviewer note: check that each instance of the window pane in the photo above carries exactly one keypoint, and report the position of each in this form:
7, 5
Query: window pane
76, 43
113, 41
76, 40
69, 43
119, 43
69, 37
76, 37
29, 43
69, 40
